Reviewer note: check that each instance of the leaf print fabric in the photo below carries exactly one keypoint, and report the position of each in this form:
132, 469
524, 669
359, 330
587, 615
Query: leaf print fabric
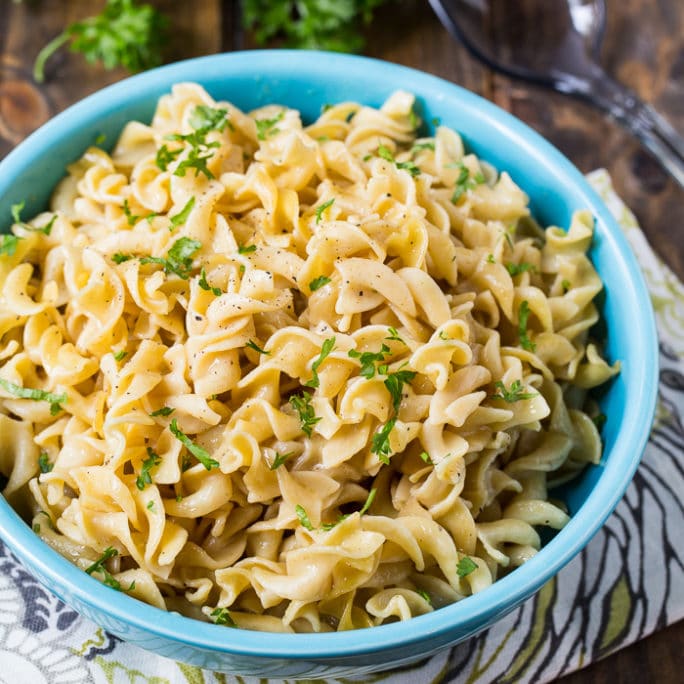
627, 583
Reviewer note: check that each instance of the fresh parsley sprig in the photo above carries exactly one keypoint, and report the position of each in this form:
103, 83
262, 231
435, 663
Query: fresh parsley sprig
307, 415
327, 347
8, 244
318, 283
56, 400
99, 567
178, 259
322, 208
523, 315
152, 461
267, 127
253, 345
44, 462
280, 459
222, 616
513, 393
386, 154
465, 566
522, 267
364, 509
124, 34
369, 359
202, 455
464, 181
202, 282
16, 210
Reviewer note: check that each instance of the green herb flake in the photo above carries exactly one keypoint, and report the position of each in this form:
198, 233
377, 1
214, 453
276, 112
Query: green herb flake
16, 210
152, 461
131, 587
56, 400
424, 595
163, 411
307, 416
119, 258
130, 217
328, 346
280, 459
566, 285
120, 355
465, 181
491, 259
165, 156
369, 359
44, 462
395, 382
179, 257
36, 528
380, 444
205, 118
202, 282
465, 566
512, 394
202, 455
223, 617
386, 154
427, 145
522, 267
523, 314
150, 506
246, 249
303, 517
195, 160
256, 348
182, 216
322, 208
99, 567
8, 244
318, 283
394, 335
369, 501
426, 457
266, 127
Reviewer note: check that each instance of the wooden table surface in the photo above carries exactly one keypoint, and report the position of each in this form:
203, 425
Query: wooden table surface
644, 47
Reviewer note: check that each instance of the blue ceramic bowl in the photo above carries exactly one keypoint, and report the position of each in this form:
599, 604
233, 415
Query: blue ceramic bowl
305, 81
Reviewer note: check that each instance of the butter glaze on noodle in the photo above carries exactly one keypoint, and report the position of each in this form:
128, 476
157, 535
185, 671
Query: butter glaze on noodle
350, 229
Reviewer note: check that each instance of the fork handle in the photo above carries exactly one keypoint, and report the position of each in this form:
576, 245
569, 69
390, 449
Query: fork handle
641, 119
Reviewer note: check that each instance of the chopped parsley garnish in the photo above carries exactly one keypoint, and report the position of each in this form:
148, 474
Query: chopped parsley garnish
394, 335
153, 459
182, 216
246, 249
165, 156
207, 118
491, 259
98, 566
44, 462
178, 259
386, 154
163, 411
395, 384
56, 400
307, 416
566, 285
369, 359
523, 314
195, 160
428, 145
318, 283
514, 393
120, 355
328, 346
16, 210
130, 216
202, 282
414, 121
322, 208
380, 444
202, 455
465, 566
150, 506
443, 336
223, 617
303, 517
465, 181
266, 127
256, 347
364, 509
119, 258
424, 595
426, 457
280, 459
8, 244
522, 267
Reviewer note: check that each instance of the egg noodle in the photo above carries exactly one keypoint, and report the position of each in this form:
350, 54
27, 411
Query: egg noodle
293, 378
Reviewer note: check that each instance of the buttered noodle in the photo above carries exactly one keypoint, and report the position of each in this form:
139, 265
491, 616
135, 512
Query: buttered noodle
293, 378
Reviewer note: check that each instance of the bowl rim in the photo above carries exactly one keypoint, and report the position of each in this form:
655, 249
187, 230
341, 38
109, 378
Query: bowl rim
468, 614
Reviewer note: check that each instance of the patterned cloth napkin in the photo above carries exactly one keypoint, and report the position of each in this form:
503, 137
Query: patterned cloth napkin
627, 583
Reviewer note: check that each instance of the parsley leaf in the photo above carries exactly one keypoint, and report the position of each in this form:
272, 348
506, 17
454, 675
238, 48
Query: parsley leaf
566, 285
202, 282
8, 244
182, 215
119, 258
165, 156
266, 127
426, 457
130, 217
280, 459
522, 267
394, 335
465, 566
153, 459
16, 210
44, 462
515, 393
364, 509
303, 517
120, 355
207, 118
387, 155
196, 161
99, 567
318, 283
246, 249
368, 360
202, 455
395, 382
464, 181
256, 348
307, 416
380, 443
163, 411
56, 400
322, 208
523, 314
328, 346
123, 34
179, 257
222, 616
428, 145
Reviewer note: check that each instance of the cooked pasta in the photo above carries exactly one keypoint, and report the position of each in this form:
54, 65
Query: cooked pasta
294, 377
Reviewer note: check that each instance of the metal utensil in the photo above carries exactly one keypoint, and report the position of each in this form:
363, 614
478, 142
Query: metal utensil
505, 35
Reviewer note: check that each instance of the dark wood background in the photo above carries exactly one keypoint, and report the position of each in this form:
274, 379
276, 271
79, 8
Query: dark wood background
643, 47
